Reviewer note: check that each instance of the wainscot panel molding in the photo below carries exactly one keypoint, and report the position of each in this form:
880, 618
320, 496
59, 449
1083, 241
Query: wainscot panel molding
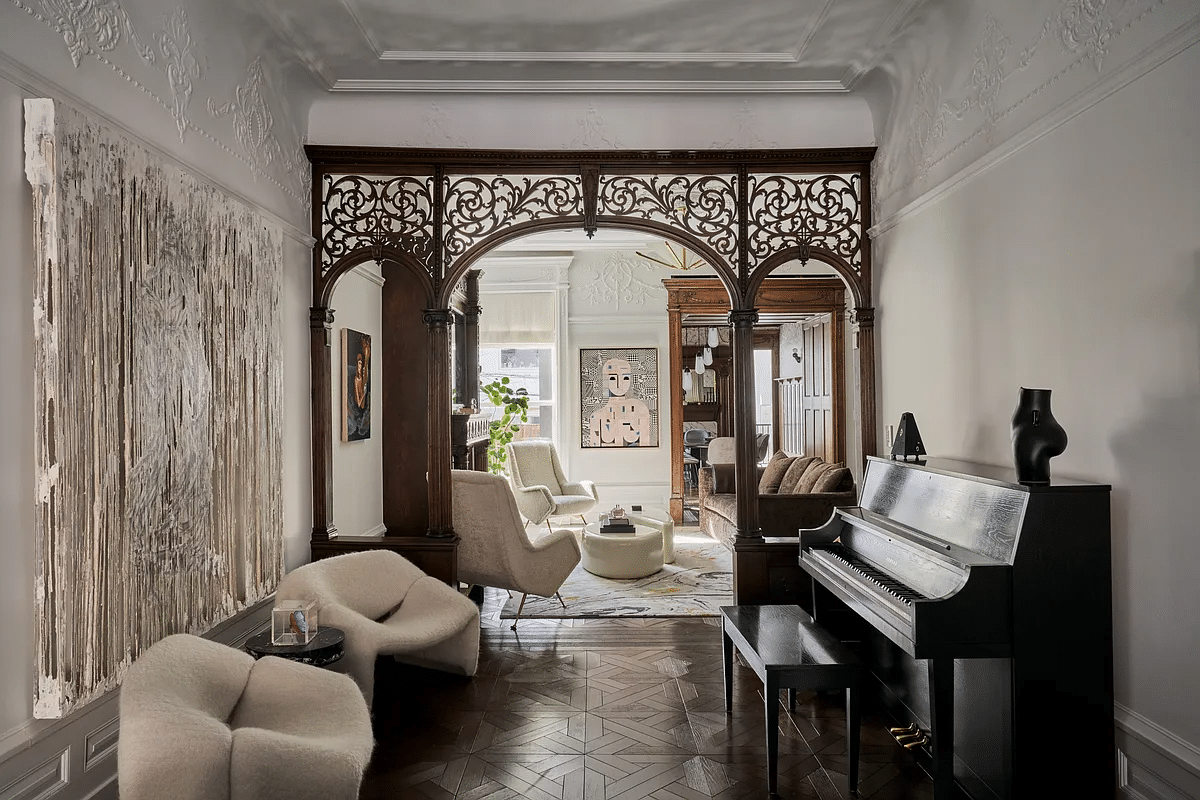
1153, 763
75, 758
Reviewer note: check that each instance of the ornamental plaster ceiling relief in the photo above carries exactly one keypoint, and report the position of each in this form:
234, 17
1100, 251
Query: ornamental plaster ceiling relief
157, 53
619, 282
1001, 75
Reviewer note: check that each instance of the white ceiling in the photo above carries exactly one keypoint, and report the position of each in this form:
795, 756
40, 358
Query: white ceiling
564, 45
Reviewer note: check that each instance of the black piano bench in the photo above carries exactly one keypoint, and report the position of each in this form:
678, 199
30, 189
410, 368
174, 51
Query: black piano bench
787, 650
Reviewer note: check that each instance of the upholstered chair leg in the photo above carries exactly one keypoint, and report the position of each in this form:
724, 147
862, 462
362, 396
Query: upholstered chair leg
548, 526
520, 608
583, 519
559, 596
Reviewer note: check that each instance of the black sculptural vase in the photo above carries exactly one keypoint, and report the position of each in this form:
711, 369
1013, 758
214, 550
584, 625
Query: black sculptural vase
1036, 437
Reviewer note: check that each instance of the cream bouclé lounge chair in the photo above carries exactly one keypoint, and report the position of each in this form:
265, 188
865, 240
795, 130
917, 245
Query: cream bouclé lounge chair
541, 489
386, 605
494, 548
203, 721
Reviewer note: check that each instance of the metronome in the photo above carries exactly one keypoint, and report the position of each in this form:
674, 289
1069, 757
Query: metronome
908, 440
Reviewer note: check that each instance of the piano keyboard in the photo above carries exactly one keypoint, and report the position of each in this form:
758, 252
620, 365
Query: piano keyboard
839, 556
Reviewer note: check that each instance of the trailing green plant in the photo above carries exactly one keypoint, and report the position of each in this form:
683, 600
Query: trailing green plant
514, 409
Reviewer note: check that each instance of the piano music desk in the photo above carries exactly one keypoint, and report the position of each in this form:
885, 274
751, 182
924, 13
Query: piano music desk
787, 650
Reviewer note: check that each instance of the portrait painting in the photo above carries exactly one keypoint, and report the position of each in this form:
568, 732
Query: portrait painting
356, 386
619, 397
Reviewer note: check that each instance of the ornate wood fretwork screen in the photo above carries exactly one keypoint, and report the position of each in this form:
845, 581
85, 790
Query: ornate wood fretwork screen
435, 212
158, 390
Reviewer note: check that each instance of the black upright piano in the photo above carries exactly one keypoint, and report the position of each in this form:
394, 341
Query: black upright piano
984, 609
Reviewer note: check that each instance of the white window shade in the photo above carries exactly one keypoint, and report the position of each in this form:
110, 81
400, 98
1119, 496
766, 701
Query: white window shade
527, 318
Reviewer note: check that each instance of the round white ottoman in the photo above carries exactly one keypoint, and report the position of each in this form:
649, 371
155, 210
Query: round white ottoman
622, 555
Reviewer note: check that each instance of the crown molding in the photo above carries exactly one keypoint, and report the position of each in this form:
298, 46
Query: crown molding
1159, 53
590, 87
587, 56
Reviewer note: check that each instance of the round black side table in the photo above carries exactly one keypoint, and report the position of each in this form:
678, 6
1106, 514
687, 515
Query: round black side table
324, 649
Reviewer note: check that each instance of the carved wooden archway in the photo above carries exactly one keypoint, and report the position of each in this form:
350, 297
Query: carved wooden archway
435, 212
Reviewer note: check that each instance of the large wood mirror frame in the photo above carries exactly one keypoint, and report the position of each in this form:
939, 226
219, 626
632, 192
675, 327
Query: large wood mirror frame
427, 215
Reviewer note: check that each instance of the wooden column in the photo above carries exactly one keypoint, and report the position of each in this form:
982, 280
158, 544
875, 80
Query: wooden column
320, 327
863, 320
441, 512
675, 343
742, 320
471, 312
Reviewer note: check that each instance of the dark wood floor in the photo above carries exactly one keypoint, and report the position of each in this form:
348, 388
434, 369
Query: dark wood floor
608, 709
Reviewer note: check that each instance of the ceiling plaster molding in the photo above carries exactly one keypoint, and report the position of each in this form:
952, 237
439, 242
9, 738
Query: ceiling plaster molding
39, 86
592, 57
901, 15
95, 29
1163, 50
814, 24
369, 275
593, 87
626, 320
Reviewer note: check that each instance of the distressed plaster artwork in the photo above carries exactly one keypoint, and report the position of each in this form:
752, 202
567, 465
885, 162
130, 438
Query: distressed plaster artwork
159, 393
618, 391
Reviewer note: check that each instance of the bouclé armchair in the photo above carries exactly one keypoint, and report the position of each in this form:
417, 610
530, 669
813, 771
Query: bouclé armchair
540, 487
386, 605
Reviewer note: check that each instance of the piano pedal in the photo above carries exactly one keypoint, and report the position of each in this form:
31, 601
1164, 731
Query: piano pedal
920, 741
899, 731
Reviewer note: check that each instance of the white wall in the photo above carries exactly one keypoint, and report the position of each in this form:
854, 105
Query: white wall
134, 96
1075, 265
617, 300
358, 466
603, 122
17, 422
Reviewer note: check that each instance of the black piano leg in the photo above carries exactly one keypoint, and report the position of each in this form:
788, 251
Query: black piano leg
727, 662
941, 703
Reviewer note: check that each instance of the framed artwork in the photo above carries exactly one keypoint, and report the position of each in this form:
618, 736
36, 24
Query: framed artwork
356, 386
618, 396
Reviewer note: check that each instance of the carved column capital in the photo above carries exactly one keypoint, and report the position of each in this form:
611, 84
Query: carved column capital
863, 316
743, 317
320, 317
437, 317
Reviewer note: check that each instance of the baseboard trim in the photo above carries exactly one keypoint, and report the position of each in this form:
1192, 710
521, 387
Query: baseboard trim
75, 758
1152, 762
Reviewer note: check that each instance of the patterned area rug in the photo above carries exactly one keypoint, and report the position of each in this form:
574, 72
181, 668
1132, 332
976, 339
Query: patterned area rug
696, 585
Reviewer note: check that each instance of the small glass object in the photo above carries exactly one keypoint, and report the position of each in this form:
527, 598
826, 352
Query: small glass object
294, 622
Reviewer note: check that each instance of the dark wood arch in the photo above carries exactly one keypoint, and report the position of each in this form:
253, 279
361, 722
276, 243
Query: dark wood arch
436, 212
462, 265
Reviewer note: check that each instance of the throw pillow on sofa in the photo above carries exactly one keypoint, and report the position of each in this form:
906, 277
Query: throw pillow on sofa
811, 475
792, 477
835, 479
777, 467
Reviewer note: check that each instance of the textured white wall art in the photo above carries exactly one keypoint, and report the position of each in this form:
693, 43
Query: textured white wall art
158, 390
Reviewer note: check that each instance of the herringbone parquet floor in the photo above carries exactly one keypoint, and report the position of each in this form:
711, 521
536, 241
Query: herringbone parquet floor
611, 709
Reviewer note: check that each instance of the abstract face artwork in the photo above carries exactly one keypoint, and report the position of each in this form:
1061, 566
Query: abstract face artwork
619, 397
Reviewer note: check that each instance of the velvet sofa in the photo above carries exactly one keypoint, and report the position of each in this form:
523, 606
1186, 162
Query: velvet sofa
793, 492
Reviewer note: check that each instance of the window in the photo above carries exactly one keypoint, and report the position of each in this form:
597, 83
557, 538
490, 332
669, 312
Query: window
529, 369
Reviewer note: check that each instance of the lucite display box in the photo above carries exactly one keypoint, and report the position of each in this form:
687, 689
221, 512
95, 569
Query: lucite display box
294, 622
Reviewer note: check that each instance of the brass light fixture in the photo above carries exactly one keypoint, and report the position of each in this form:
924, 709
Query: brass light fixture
679, 260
